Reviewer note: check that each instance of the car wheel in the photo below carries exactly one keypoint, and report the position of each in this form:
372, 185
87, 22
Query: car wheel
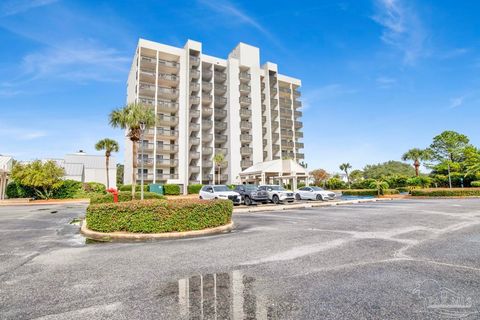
275, 199
216, 198
298, 197
319, 197
248, 201
200, 197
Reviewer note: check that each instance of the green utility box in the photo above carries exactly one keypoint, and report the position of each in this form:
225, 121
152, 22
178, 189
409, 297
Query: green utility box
155, 187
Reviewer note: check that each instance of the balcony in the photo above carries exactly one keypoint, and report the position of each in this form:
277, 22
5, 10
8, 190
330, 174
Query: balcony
167, 148
264, 119
287, 133
194, 169
168, 66
263, 96
274, 125
220, 89
246, 163
166, 120
166, 176
287, 154
220, 138
146, 89
264, 130
220, 100
148, 62
245, 125
206, 99
194, 141
245, 101
194, 74
194, 127
167, 106
273, 91
299, 145
146, 176
166, 133
272, 80
275, 148
245, 88
206, 124
194, 100
146, 101
298, 114
220, 125
297, 104
207, 150
300, 156
167, 93
147, 75
245, 138
146, 162
206, 86
286, 123
285, 90
265, 155
207, 137
194, 155
245, 76
167, 79
299, 134
220, 114
222, 151
194, 61
245, 113
206, 75
298, 124
207, 111
207, 177
207, 163
166, 163
275, 136
285, 112
287, 144
194, 86
274, 114
220, 77
296, 94
273, 102
285, 102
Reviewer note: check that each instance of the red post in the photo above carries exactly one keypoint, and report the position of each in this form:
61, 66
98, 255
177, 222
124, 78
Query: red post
115, 194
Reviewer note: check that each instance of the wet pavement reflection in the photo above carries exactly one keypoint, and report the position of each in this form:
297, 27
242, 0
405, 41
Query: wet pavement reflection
222, 296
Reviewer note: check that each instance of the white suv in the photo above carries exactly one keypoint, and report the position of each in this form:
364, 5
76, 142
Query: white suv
278, 194
209, 192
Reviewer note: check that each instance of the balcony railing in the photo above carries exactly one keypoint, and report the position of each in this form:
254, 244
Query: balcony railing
273, 102
167, 176
285, 112
220, 125
246, 163
206, 74
275, 148
194, 86
244, 87
220, 76
168, 77
220, 88
296, 94
195, 155
285, 102
220, 113
245, 138
167, 63
245, 125
298, 124
167, 120
207, 111
206, 124
194, 100
300, 156
194, 141
167, 106
220, 100
166, 133
194, 169
194, 126
207, 150
206, 86
245, 75
274, 114
285, 90
194, 61
146, 101
222, 151
287, 144
245, 100
207, 137
286, 123
167, 92
146, 59
299, 145
298, 114
275, 136
147, 162
297, 104
245, 113
161, 147
208, 177
207, 163
220, 138
206, 98
273, 91
299, 134
194, 73
287, 133
166, 162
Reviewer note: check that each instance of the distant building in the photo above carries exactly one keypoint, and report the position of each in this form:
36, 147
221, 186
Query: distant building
6, 164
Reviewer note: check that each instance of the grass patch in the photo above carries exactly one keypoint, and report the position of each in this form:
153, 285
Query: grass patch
446, 192
368, 192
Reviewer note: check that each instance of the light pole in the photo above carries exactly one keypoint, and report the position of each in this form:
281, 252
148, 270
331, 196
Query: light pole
142, 130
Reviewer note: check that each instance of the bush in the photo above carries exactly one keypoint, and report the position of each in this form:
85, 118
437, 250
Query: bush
16, 190
454, 192
123, 196
335, 184
194, 188
420, 181
368, 192
231, 186
475, 183
364, 184
67, 190
404, 189
171, 189
155, 216
95, 187
128, 187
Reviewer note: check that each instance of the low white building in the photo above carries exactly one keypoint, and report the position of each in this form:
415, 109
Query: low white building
275, 172
6, 164
90, 168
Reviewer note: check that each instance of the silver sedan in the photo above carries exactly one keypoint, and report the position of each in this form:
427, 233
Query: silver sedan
314, 193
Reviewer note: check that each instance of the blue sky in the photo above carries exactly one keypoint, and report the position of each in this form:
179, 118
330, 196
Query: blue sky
379, 76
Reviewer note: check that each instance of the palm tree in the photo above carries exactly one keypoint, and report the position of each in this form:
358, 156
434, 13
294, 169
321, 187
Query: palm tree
417, 155
109, 146
219, 159
129, 118
344, 167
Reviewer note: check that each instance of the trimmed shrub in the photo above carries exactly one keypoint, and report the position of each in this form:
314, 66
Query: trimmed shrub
404, 189
171, 189
335, 184
420, 181
194, 188
123, 196
95, 187
231, 186
128, 187
368, 192
16, 190
475, 183
156, 216
67, 190
440, 192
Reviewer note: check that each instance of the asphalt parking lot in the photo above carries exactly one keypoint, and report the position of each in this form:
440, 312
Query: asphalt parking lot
401, 259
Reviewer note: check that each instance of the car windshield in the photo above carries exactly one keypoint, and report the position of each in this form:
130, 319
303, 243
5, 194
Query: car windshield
317, 189
277, 188
251, 187
220, 188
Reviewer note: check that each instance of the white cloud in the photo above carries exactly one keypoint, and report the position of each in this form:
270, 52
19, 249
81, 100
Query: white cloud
456, 102
10, 133
403, 29
12, 7
324, 93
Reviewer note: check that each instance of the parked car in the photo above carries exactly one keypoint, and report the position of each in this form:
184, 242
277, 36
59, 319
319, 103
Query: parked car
277, 194
251, 194
209, 192
314, 193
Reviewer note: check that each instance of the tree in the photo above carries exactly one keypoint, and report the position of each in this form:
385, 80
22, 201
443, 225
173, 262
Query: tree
356, 175
319, 176
417, 155
472, 160
129, 118
379, 185
44, 178
448, 147
389, 168
344, 167
219, 159
109, 146
120, 170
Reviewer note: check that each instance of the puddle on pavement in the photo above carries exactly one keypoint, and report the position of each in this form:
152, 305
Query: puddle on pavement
223, 296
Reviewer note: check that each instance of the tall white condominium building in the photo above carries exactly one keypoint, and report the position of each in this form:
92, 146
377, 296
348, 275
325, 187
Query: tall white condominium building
206, 106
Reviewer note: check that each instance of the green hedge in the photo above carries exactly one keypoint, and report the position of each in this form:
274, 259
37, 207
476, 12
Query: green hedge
194, 188
128, 187
368, 192
171, 189
123, 196
440, 192
156, 216
16, 190
68, 189
475, 183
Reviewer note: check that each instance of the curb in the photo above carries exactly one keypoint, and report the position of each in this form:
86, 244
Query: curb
42, 202
120, 235
306, 205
